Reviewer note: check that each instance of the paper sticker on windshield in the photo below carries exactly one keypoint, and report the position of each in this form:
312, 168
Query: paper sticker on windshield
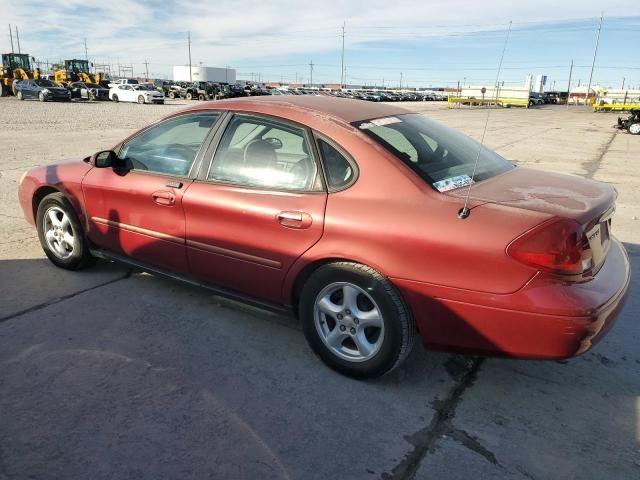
453, 183
379, 122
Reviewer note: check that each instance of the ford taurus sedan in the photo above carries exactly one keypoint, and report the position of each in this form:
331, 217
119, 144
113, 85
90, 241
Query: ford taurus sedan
351, 216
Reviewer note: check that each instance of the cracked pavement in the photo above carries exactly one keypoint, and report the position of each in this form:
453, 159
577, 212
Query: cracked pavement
111, 373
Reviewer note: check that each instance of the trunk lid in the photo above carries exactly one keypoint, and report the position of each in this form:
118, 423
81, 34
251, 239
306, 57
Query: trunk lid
588, 202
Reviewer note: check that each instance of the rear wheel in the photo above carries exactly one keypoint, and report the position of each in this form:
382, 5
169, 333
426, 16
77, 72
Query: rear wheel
201, 97
60, 233
140, 99
172, 95
115, 98
3, 90
634, 128
189, 96
355, 320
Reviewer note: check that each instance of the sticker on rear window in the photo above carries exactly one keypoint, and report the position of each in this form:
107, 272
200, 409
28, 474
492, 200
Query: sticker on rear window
453, 183
379, 122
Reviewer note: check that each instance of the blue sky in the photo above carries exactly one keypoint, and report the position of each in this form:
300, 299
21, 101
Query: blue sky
432, 43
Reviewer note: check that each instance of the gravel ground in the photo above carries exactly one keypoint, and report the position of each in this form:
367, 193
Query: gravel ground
110, 373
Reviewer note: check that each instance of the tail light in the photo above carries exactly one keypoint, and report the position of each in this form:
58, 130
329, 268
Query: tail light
558, 246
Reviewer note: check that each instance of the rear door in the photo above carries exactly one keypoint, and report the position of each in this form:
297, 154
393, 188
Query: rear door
256, 209
136, 209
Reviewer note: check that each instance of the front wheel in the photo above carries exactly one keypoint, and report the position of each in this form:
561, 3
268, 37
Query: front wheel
60, 233
41, 97
189, 96
172, 95
634, 128
20, 96
140, 99
355, 320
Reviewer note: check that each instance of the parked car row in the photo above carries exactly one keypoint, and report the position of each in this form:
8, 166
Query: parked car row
130, 90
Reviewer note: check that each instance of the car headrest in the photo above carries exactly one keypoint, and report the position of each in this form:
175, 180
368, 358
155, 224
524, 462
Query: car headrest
259, 154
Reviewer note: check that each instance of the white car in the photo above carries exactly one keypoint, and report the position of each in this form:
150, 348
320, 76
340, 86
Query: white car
135, 93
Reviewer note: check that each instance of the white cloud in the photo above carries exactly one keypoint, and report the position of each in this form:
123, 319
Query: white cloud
135, 30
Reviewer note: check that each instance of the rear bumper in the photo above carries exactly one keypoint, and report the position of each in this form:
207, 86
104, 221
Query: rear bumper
546, 319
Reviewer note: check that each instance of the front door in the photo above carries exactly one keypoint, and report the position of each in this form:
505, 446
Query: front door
136, 208
259, 208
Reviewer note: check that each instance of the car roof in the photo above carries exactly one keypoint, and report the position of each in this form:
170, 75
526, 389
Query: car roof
292, 106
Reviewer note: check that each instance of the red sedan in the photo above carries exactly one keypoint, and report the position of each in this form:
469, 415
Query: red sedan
350, 215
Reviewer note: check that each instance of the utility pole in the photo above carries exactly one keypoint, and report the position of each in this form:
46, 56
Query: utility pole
18, 39
342, 79
86, 55
296, 77
190, 72
569, 86
593, 63
622, 86
311, 73
11, 36
146, 69
400, 80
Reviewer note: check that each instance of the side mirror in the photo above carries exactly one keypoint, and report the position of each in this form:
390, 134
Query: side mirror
105, 159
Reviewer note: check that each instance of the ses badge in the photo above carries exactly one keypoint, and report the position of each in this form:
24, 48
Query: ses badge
452, 183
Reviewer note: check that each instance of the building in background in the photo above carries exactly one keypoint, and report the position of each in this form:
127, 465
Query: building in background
199, 73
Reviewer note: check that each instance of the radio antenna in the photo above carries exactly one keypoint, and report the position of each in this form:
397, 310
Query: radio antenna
465, 211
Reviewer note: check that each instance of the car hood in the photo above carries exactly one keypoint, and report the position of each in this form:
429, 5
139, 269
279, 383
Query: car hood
553, 193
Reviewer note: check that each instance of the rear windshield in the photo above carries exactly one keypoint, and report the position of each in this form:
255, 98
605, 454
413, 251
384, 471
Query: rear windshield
441, 156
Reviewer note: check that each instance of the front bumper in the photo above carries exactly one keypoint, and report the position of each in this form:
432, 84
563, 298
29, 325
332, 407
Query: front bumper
547, 319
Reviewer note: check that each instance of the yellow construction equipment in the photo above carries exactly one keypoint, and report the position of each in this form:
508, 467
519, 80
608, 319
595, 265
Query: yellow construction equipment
15, 67
75, 71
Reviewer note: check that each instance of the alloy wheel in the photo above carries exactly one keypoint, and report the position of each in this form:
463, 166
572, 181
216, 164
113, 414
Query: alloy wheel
349, 321
58, 233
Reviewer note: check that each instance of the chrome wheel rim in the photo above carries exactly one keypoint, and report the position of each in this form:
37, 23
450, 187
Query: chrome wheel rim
634, 128
349, 322
58, 233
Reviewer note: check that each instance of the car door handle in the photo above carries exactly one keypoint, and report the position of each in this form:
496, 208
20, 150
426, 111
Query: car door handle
294, 219
164, 198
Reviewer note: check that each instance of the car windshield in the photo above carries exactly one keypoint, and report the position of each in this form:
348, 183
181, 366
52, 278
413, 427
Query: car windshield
45, 83
441, 156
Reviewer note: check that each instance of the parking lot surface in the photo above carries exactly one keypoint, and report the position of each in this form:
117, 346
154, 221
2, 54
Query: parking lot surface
113, 373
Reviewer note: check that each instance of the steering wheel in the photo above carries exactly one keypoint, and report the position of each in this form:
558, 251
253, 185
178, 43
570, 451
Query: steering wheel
181, 150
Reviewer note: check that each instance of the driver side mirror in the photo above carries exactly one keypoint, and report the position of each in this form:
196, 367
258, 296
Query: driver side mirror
105, 159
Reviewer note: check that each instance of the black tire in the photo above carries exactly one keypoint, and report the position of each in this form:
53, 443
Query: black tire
172, 95
141, 99
115, 98
201, 97
3, 90
41, 97
189, 96
399, 326
81, 256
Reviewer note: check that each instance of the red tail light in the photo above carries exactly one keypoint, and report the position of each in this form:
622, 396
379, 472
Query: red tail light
559, 246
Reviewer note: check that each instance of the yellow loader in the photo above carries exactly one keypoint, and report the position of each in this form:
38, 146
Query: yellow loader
15, 67
75, 71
